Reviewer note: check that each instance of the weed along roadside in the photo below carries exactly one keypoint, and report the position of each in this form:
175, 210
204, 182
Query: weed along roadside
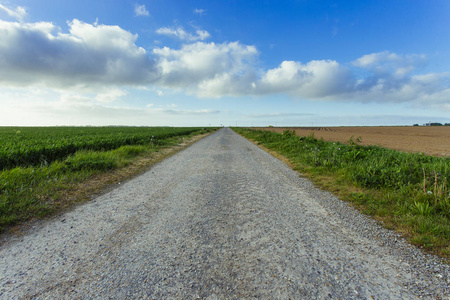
406, 192
75, 164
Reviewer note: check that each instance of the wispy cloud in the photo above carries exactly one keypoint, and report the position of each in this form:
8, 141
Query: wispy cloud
111, 95
199, 11
140, 10
390, 63
180, 33
18, 13
279, 115
46, 107
187, 112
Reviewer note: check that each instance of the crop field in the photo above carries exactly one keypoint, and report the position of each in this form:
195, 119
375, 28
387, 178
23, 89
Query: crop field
43, 169
409, 192
430, 140
31, 146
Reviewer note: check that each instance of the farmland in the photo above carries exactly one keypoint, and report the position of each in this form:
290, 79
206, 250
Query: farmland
32, 146
219, 218
409, 192
430, 140
44, 169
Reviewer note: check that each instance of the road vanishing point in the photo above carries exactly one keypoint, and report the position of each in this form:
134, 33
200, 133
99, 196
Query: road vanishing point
221, 219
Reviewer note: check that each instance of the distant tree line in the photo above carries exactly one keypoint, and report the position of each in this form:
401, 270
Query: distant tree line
434, 124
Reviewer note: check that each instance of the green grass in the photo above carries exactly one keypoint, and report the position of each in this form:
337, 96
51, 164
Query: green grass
29, 191
33, 146
408, 192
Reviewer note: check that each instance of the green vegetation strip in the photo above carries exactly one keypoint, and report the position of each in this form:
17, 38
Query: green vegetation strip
40, 166
408, 192
34, 146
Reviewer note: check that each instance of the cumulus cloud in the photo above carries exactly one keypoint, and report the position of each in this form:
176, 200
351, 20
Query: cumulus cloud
227, 84
391, 77
316, 79
377, 77
18, 13
140, 10
39, 53
181, 34
197, 64
101, 56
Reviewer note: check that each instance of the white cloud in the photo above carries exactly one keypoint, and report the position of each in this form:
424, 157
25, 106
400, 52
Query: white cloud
199, 11
374, 59
45, 107
197, 64
183, 35
279, 115
316, 79
202, 35
385, 62
39, 53
227, 84
140, 10
186, 112
390, 78
386, 77
110, 95
428, 91
19, 13
93, 58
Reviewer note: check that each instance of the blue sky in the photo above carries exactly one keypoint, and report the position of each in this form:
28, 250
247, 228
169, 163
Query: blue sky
200, 63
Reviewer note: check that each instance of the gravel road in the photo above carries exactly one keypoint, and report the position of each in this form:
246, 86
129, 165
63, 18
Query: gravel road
221, 219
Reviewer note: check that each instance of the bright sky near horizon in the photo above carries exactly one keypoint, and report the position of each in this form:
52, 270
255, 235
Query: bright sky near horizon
244, 63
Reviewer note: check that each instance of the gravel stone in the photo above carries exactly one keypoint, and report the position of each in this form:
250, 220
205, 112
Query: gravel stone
220, 220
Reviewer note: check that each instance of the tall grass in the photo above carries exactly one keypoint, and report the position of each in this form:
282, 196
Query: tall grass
409, 192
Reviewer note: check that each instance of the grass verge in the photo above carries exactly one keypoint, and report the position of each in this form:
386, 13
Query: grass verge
31, 193
408, 192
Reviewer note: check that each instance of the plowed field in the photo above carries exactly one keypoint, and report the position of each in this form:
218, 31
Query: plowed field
431, 140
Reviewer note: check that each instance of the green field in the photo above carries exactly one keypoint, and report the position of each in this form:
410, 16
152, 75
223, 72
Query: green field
408, 192
40, 167
33, 146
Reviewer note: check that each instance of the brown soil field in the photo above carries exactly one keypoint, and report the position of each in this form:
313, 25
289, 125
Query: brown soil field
430, 140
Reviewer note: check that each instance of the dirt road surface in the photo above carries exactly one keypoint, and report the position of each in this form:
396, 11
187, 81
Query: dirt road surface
219, 220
